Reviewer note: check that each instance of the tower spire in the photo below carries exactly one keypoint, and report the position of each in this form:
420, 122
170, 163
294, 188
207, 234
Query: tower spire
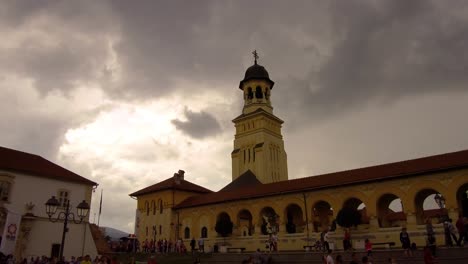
255, 54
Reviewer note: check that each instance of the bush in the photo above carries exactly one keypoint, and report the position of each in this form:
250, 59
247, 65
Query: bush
348, 217
224, 227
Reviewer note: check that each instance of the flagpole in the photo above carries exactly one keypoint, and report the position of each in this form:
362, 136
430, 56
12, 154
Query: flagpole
100, 208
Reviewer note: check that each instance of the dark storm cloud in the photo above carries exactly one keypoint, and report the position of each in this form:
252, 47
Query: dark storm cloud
198, 125
56, 44
386, 50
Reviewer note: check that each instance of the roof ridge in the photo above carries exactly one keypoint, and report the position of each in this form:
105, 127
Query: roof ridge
386, 164
20, 151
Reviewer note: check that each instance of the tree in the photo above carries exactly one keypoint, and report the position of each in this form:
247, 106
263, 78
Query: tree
224, 226
348, 217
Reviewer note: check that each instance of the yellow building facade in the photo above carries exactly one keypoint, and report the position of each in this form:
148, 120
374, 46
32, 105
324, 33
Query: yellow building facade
388, 197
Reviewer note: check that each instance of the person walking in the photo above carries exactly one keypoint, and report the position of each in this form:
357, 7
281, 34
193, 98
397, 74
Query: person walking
453, 231
405, 242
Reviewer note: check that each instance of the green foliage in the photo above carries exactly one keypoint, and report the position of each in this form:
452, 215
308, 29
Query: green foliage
224, 226
348, 217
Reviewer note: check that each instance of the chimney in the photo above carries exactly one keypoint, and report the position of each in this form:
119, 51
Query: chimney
181, 174
176, 178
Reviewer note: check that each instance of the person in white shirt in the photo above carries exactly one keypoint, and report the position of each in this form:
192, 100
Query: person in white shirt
329, 257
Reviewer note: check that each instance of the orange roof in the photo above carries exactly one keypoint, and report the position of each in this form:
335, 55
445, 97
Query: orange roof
171, 184
14, 160
369, 174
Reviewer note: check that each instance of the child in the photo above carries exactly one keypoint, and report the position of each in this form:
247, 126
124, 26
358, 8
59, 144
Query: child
368, 246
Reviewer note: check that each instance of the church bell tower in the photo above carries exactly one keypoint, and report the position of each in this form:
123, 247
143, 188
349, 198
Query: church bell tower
258, 143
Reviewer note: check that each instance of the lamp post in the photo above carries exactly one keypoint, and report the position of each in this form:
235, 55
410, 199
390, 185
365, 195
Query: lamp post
51, 208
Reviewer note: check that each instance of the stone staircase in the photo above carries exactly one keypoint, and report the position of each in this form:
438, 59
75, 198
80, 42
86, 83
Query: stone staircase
445, 255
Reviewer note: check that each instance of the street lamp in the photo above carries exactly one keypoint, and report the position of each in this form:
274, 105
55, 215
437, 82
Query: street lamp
52, 205
440, 200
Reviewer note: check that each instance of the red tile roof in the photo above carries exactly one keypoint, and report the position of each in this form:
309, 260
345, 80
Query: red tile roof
375, 173
245, 180
14, 160
171, 184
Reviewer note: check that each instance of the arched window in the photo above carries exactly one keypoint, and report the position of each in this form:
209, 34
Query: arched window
153, 204
160, 229
146, 231
147, 207
204, 232
258, 92
187, 233
160, 204
249, 93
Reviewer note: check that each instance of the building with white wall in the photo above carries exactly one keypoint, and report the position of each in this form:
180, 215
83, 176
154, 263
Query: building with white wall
27, 181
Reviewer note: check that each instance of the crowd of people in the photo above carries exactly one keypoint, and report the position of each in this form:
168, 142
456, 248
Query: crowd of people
72, 260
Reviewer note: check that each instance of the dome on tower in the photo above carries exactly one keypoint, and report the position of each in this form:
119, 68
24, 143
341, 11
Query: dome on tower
256, 72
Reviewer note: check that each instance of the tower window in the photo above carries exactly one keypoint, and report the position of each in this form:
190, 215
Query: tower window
249, 93
244, 156
258, 92
249, 155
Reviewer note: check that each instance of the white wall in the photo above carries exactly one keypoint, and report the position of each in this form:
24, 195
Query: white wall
38, 190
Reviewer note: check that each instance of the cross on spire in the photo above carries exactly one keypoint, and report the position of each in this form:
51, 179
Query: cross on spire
255, 54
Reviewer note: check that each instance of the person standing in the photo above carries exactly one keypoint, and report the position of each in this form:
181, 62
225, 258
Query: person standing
453, 231
431, 240
329, 257
461, 230
368, 247
326, 239
347, 240
192, 244
201, 245
405, 242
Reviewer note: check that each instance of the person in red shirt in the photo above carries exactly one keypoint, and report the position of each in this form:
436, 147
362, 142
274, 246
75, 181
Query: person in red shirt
428, 258
368, 247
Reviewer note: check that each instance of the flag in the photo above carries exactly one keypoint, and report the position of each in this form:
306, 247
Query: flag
10, 233
100, 204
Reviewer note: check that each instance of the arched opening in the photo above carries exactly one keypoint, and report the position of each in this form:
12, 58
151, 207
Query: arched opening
269, 219
160, 205
258, 92
357, 204
204, 232
244, 222
294, 219
429, 208
224, 224
147, 208
187, 233
462, 199
390, 211
249, 93
322, 213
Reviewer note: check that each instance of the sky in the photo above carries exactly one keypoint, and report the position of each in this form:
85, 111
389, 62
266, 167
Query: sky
127, 93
